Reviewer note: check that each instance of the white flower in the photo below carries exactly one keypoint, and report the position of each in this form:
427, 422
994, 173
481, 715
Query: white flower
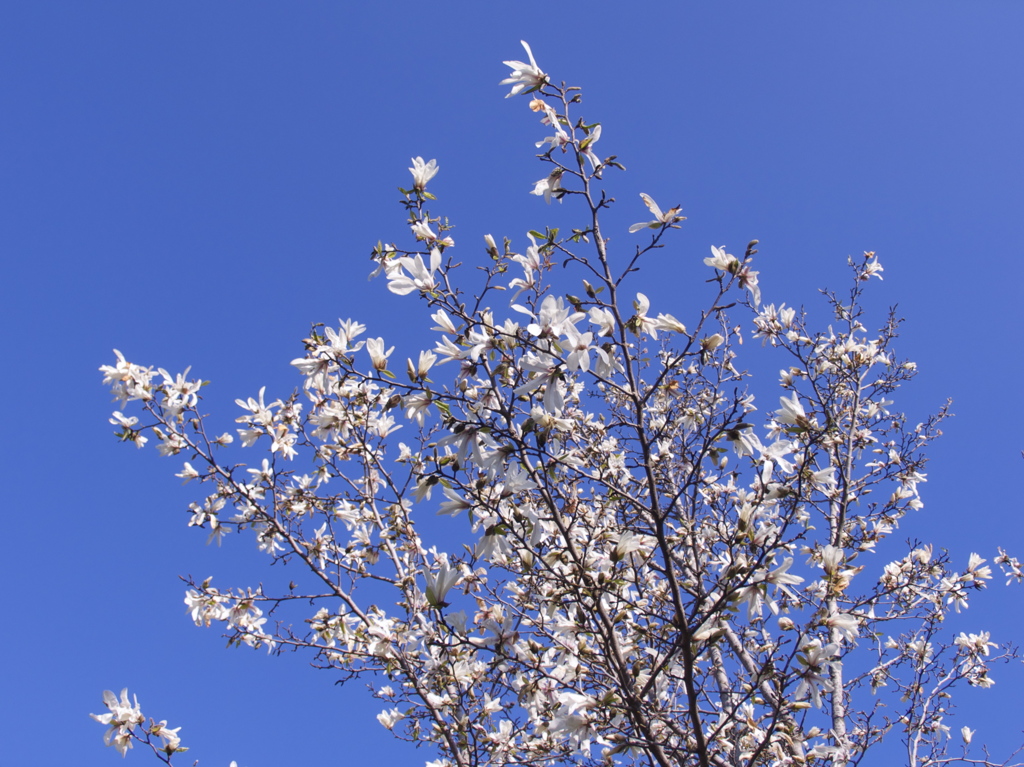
552, 185
729, 263
816, 661
390, 718
524, 77
641, 323
831, 558
744, 441
188, 473
439, 585
531, 264
127, 381
168, 734
975, 572
712, 342
422, 172
587, 146
669, 323
578, 346
975, 644
123, 716
547, 370
846, 624
419, 370
824, 479
419, 277
783, 579
670, 216
627, 544
604, 320
870, 268
421, 230
719, 259
454, 504
561, 138
553, 319
748, 280
444, 323
379, 357
792, 413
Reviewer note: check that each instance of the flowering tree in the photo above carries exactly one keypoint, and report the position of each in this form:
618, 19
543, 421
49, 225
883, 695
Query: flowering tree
653, 573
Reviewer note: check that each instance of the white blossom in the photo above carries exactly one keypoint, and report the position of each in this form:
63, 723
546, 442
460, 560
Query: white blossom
422, 172
667, 218
525, 77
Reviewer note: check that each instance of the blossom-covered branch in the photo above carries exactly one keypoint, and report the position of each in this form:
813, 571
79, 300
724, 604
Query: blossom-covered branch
656, 568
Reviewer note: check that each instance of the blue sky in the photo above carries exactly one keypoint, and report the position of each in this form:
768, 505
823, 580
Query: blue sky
195, 183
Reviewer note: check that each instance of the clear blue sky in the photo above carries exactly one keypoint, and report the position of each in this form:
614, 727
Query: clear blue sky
194, 183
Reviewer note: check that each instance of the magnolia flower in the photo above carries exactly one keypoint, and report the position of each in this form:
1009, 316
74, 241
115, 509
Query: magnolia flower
561, 138
641, 323
127, 381
727, 262
748, 280
418, 371
422, 172
553, 319
552, 185
744, 441
669, 217
454, 504
847, 624
167, 734
531, 264
587, 146
712, 342
975, 644
816, 661
492, 247
627, 544
422, 231
419, 277
439, 585
128, 431
783, 579
719, 259
668, 323
870, 268
188, 473
604, 320
831, 558
379, 357
975, 572
122, 718
578, 346
444, 322
524, 77
547, 374
390, 718
772, 321
792, 413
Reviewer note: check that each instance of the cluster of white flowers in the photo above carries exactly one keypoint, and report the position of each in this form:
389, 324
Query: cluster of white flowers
125, 716
238, 611
655, 574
